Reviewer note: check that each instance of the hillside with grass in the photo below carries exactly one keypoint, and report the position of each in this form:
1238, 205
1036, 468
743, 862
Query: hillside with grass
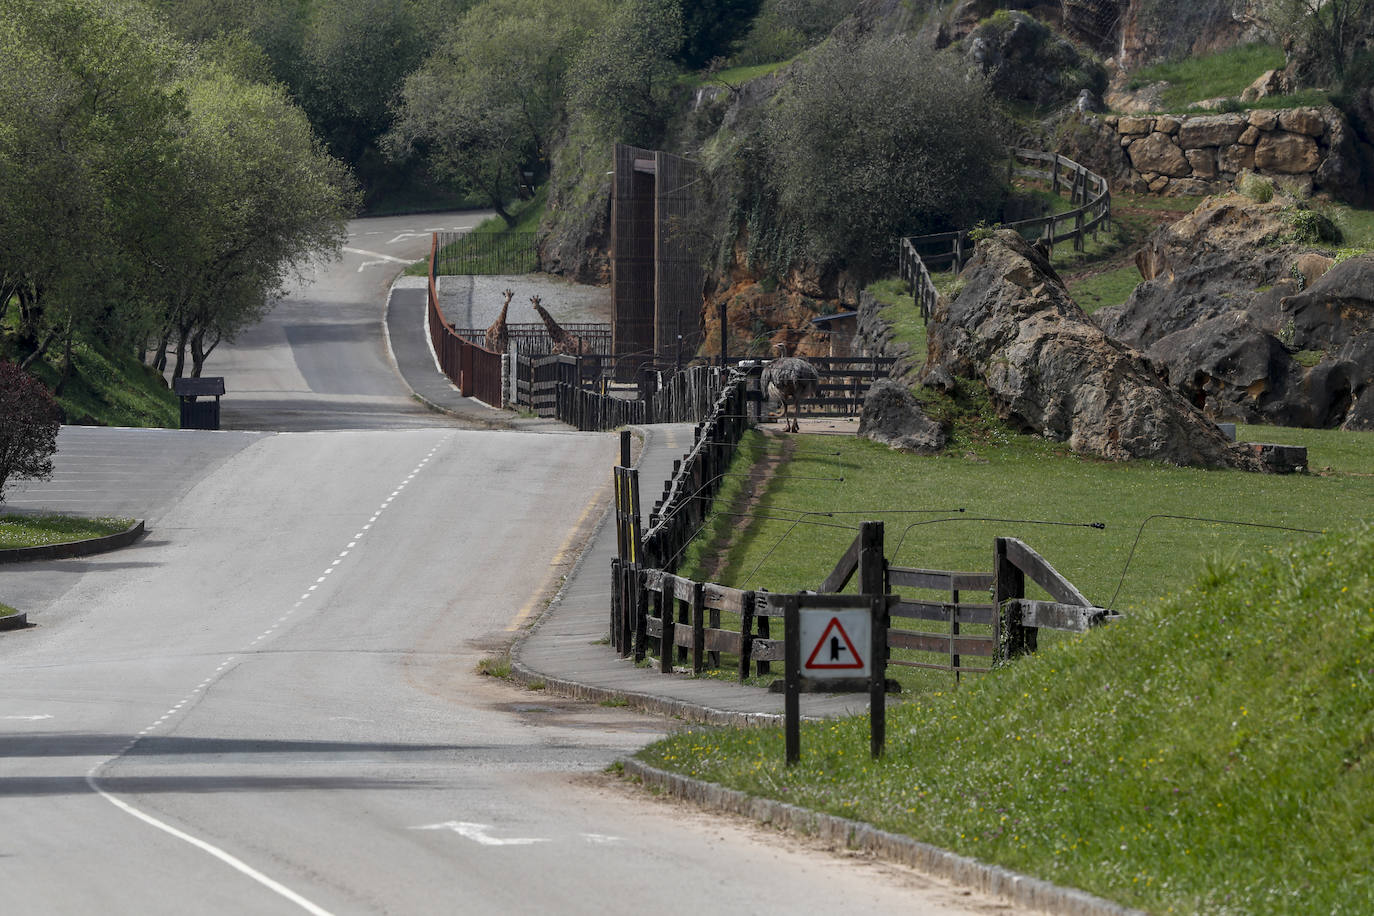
1208, 754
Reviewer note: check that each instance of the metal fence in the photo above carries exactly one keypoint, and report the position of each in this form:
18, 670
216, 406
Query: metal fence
471, 253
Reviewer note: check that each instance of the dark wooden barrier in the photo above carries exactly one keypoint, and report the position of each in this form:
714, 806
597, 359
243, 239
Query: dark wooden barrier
680, 618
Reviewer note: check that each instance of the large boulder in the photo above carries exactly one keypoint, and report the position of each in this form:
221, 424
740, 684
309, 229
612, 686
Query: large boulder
1224, 315
892, 416
1051, 370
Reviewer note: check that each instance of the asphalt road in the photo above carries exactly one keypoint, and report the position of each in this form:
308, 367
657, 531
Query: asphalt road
269, 705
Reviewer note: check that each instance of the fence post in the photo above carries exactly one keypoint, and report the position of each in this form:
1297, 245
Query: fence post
873, 582
1009, 584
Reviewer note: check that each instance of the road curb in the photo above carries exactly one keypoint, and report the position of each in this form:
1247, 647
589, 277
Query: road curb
74, 548
992, 880
18, 621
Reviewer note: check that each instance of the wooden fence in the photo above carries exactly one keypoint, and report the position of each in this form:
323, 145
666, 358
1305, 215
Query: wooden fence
845, 381
1086, 189
681, 620
688, 396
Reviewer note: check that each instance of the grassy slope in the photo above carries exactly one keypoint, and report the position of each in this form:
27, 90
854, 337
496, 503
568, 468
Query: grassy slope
1208, 754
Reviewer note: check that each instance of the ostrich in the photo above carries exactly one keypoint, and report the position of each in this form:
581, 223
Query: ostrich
563, 342
498, 337
790, 378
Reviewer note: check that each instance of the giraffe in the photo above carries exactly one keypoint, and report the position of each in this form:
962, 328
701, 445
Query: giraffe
498, 338
563, 342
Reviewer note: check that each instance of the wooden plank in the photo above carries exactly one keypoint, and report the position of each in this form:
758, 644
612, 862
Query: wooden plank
936, 610
1071, 617
1043, 574
682, 634
963, 669
683, 589
843, 571
722, 641
653, 627
939, 579
767, 650
963, 644
934, 579
653, 579
723, 598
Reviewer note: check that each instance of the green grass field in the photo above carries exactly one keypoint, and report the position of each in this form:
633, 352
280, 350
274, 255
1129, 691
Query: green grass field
40, 530
1205, 755
1224, 74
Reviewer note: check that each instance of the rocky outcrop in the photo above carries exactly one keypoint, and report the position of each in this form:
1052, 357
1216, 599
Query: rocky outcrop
1151, 31
1304, 149
1025, 61
1249, 327
1051, 370
892, 416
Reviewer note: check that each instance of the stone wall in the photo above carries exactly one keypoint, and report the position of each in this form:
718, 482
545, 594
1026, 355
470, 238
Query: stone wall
1305, 149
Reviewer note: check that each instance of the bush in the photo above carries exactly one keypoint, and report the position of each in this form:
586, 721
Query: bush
29, 421
878, 140
1255, 187
1312, 228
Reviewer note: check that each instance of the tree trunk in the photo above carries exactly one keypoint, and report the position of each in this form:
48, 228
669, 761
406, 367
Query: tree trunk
199, 352
179, 366
66, 359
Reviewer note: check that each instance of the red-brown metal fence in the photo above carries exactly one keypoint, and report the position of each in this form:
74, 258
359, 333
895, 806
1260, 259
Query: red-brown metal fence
474, 369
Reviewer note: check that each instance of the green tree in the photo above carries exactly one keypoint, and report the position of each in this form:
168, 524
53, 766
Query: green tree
624, 75
873, 141
356, 55
483, 107
85, 102
29, 423
711, 28
254, 199
1327, 39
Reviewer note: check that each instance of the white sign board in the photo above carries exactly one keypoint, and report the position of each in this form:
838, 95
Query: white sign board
835, 644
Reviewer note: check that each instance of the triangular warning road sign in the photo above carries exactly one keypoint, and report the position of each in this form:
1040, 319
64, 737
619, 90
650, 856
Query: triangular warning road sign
835, 652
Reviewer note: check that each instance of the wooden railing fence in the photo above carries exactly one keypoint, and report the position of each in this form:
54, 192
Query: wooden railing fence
1086, 189
679, 619
845, 381
688, 396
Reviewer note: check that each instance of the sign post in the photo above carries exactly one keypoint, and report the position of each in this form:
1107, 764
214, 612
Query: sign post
834, 644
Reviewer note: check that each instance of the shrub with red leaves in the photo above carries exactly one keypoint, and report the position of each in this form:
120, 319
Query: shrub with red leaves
29, 420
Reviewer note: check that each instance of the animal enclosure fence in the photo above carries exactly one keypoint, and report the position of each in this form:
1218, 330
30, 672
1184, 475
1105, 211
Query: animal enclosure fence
476, 253
475, 370
1087, 190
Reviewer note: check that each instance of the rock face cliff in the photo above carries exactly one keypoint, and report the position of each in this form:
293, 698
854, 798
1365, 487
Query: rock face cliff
1249, 325
1051, 370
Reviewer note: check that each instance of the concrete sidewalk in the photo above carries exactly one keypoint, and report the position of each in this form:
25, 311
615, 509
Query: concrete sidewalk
568, 648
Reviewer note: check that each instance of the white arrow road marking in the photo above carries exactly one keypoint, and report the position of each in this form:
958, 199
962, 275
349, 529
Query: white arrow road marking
409, 235
601, 839
384, 257
25, 718
478, 834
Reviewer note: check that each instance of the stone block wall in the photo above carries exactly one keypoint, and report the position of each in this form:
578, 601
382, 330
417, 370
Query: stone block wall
1306, 149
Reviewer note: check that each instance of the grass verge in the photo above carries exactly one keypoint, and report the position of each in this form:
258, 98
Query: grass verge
43, 530
1206, 755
